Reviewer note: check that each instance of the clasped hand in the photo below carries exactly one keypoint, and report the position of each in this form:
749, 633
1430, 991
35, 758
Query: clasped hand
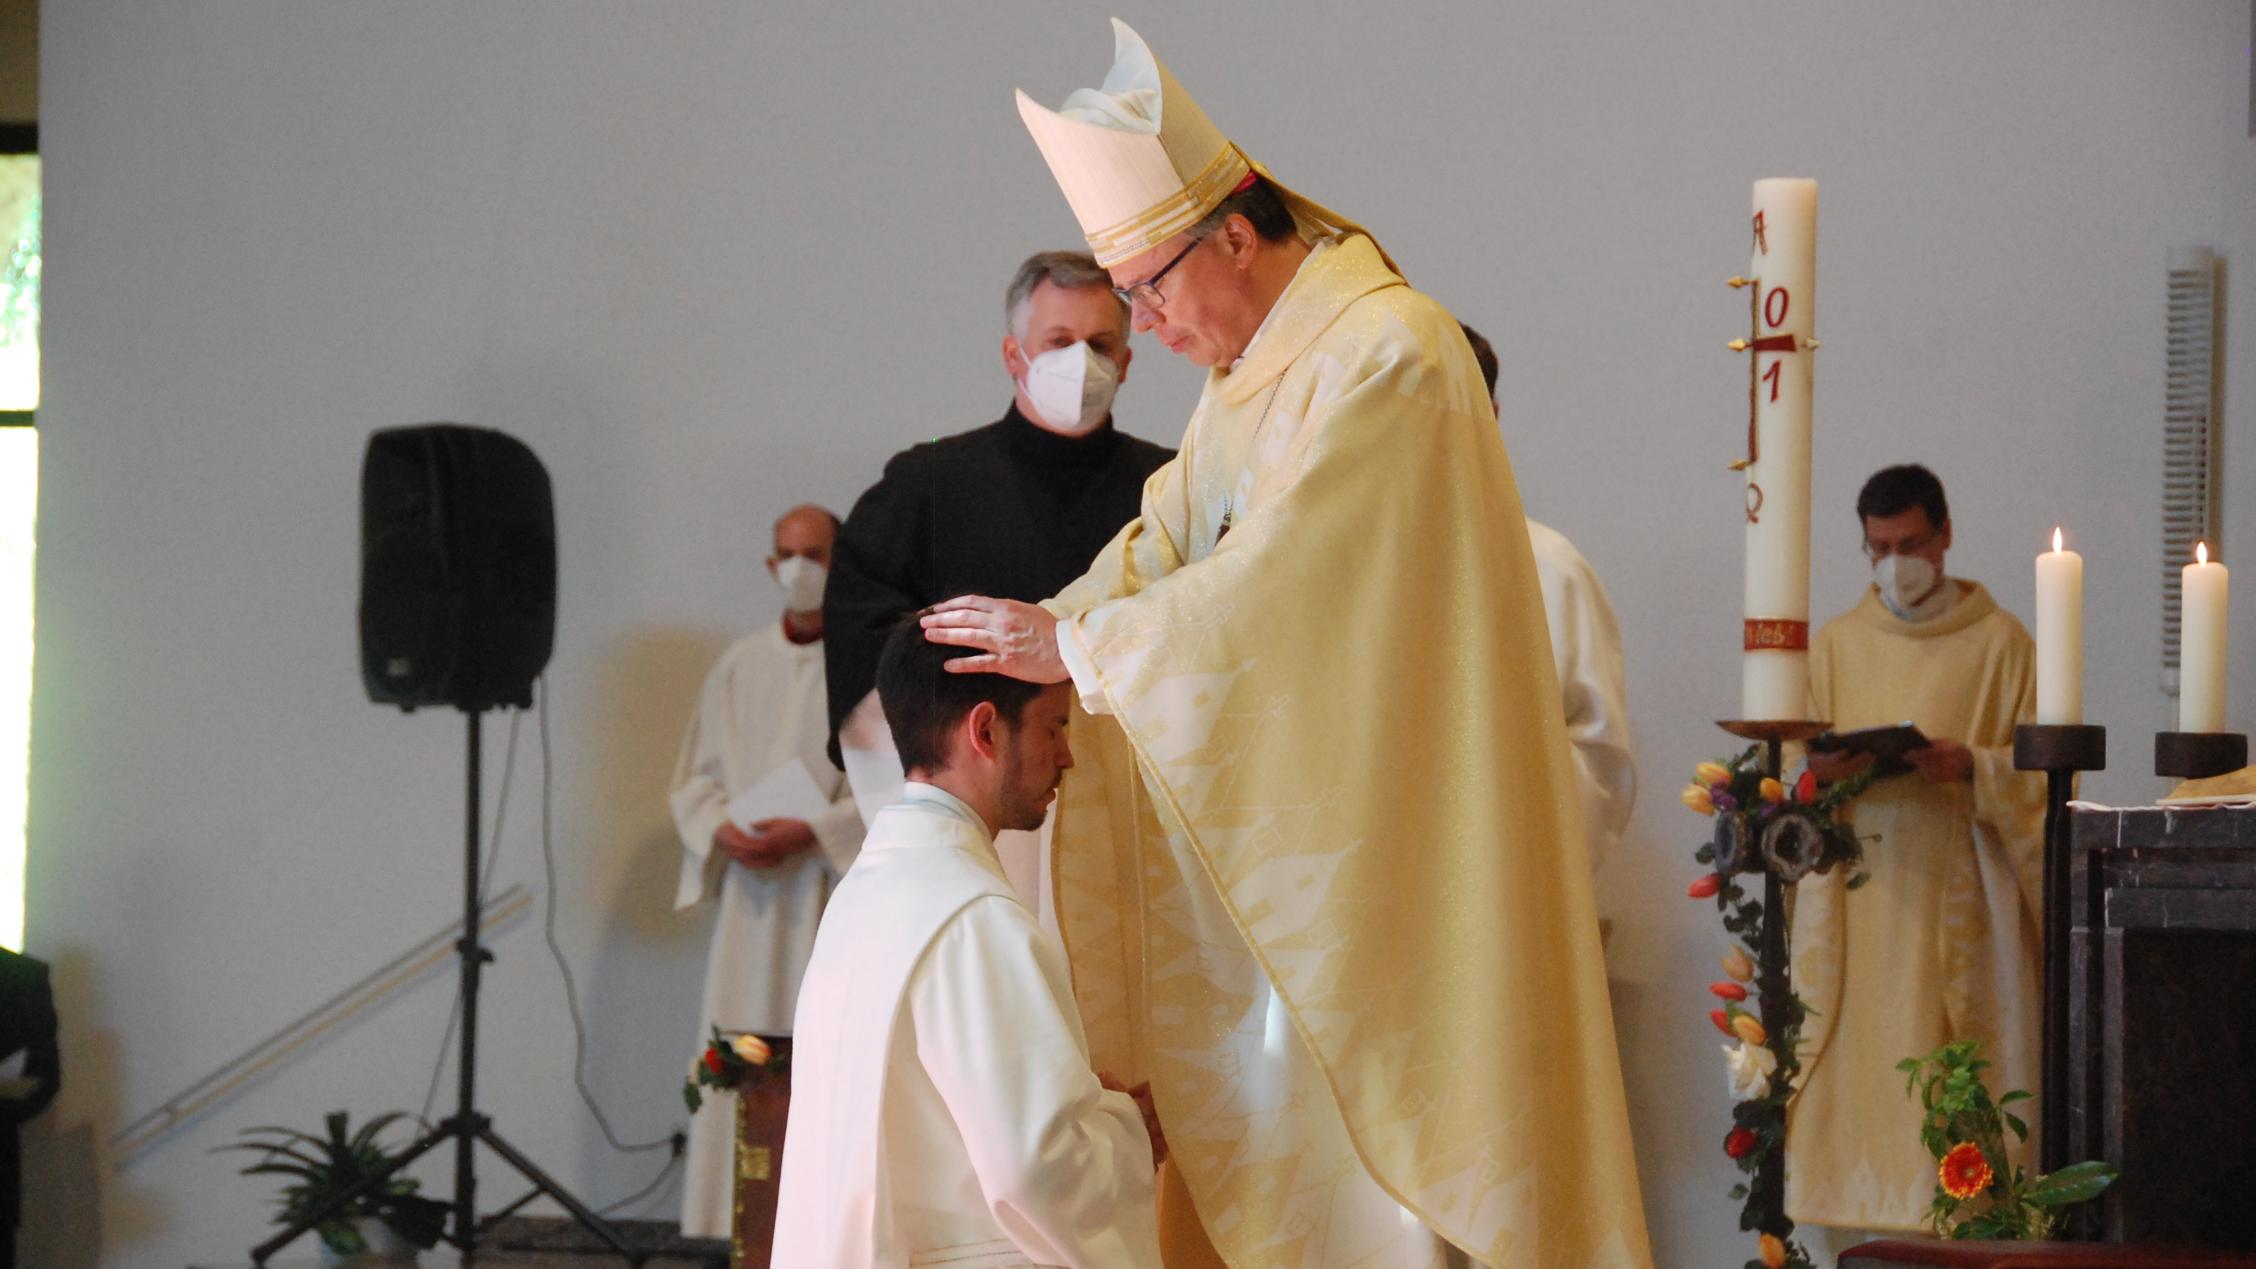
771, 841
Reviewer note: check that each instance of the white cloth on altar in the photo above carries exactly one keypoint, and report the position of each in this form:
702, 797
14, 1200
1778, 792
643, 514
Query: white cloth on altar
943, 1110
762, 706
873, 771
1586, 650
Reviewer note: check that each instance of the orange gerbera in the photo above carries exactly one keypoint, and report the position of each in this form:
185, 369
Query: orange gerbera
1964, 1172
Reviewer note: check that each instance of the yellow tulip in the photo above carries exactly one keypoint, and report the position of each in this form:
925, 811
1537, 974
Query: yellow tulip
1711, 773
1773, 1252
1696, 796
1749, 1028
1772, 790
1737, 967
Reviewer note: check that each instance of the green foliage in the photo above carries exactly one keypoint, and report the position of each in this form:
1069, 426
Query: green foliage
1956, 1108
323, 1167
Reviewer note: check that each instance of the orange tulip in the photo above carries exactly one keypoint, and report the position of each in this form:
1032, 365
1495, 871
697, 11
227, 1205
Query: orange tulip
1749, 1028
1772, 790
1737, 966
1772, 1251
1698, 798
1710, 773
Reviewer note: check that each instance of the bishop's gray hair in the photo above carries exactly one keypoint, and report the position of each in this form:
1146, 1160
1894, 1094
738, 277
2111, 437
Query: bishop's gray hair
1067, 269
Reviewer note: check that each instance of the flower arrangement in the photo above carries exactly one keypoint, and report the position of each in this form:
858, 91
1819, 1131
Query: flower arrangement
1979, 1192
1763, 825
733, 1063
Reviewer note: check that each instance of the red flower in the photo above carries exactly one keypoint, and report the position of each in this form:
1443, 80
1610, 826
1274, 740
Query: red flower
1805, 789
1721, 1020
1739, 1144
1705, 887
1728, 991
713, 1059
1964, 1172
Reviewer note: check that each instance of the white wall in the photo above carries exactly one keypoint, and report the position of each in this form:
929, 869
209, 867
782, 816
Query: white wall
713, 258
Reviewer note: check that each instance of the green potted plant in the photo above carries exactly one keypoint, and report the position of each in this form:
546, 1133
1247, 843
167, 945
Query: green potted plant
1979, 1191
321, 1167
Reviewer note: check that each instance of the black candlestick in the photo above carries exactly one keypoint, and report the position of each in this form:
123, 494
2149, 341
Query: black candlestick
2195, 755
2060, 750
1776, 980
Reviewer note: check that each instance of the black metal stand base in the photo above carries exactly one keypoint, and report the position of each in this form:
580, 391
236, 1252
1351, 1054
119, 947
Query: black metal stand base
466, 1128
2060, 750
2197, 755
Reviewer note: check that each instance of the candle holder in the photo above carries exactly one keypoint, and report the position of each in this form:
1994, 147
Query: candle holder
1776, 982
2195, 755
2060, 750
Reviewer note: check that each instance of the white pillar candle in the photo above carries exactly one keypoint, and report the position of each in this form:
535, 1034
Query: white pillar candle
2201, 644
2060, 635
1775, 678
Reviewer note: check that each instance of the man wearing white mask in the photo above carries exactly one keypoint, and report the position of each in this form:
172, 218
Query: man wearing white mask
1942, 943
1017, 508
760, 714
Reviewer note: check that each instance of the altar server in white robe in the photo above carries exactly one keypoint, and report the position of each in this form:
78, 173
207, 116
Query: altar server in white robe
943, 1108
763, 705
1586, 649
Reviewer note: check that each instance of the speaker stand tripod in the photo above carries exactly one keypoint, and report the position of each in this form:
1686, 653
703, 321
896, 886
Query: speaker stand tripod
466, 1127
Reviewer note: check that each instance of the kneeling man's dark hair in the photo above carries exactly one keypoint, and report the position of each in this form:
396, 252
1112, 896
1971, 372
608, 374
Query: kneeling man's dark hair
924, 702
1895, 490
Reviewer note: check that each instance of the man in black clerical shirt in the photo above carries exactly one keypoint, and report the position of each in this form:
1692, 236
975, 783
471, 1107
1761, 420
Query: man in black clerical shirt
30, 1074
1015, 509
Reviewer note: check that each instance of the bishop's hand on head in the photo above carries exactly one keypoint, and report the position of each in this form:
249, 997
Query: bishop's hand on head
1011, 638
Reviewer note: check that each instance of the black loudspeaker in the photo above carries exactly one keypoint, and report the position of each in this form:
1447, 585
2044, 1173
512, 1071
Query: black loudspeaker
457, 568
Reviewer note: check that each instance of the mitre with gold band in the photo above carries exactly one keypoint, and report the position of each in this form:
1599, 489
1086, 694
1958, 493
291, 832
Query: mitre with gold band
1140, 162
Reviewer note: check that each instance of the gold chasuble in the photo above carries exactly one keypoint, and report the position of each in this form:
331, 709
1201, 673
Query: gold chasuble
1330, 894
1943, 942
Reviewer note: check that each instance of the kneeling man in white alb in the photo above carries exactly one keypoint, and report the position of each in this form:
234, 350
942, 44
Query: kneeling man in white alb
943, 1110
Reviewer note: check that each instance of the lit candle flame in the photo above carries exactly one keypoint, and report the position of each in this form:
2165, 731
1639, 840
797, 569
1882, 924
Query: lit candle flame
2201, 552
2056, 539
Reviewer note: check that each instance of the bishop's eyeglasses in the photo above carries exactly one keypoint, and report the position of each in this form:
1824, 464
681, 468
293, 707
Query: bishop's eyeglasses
1147, 291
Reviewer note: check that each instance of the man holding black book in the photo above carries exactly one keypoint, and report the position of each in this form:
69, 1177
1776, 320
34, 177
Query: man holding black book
1941, 942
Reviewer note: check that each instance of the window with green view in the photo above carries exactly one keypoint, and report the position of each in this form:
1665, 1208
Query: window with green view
19, 480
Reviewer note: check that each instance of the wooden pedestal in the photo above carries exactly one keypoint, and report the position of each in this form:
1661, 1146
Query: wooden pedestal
1900, 1253
761, 1113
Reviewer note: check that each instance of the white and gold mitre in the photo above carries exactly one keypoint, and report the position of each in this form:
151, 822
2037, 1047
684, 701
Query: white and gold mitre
1140, 162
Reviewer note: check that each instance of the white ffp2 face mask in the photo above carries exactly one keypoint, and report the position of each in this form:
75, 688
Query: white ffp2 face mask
1072, 388
802, 581
1904, 580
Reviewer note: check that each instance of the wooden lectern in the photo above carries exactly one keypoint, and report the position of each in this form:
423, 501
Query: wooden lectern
761, 1113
